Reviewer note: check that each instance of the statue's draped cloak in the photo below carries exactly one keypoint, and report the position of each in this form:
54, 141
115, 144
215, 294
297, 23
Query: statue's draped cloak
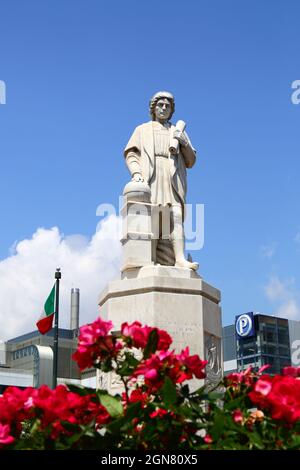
165, 173
142, 144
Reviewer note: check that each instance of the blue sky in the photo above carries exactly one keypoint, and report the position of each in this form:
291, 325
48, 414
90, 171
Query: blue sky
79, 76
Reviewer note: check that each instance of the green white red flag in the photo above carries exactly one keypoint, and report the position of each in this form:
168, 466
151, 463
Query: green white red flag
44, 324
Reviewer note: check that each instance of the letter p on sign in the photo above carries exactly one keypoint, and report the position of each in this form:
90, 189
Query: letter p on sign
244, 325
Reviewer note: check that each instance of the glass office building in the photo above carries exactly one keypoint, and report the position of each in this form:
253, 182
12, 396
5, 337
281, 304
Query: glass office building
266, 342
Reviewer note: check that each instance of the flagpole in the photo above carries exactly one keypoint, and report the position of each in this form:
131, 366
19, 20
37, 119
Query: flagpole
55, 342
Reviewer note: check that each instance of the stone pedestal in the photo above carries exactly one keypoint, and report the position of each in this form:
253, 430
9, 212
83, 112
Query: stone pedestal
174, 299
136, 226
146, 229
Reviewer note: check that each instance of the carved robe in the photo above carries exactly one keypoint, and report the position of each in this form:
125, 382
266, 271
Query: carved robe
144, 148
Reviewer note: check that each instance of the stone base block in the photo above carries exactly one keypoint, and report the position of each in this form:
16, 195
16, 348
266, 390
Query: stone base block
174, 299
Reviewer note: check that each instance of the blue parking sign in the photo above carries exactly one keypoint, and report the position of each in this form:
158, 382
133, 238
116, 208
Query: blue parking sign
244, 325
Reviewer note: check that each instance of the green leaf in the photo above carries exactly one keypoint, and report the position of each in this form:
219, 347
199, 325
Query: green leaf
115, 426
113, 405
128, 365
152, 343
234, 404
132, 410
169, 392
218, 426
215, 395
132, 361
295, 444
125, 422
256, 440
106, 365
191, 413
200, 391
185, 390
81, 390
69, 426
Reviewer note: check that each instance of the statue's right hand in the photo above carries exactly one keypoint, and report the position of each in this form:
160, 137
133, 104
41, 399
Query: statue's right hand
137, 177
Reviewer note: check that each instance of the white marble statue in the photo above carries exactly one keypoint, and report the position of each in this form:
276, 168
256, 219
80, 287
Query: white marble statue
152, 157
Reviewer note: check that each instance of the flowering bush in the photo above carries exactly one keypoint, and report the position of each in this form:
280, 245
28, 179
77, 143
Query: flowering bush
157, 410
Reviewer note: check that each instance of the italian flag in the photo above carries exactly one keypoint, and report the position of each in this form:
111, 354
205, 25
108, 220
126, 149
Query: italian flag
45, 322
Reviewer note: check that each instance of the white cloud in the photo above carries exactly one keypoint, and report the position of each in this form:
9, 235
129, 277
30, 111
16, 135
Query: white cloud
27, 275
297, 237
289, 309
278, 290
284, 294
268, 251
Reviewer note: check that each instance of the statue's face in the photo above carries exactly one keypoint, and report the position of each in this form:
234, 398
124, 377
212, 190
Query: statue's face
163, 109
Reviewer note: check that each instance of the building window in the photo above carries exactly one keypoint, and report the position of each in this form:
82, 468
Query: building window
284, 351
284, 362
269, 334
283, 335
273, 362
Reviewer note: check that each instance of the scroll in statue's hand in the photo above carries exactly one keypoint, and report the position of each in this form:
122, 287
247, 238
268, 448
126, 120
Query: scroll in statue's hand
180, 136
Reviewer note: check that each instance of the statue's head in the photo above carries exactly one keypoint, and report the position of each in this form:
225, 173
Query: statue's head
161, 95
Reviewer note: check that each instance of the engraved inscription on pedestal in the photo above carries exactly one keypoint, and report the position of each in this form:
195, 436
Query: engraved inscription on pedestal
214, 357
102, 380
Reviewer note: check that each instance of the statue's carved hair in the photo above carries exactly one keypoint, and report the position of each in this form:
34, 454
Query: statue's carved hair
158, 96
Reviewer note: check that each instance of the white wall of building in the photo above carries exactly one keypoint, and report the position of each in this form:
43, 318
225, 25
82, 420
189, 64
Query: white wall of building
294, 332
230, 365
2, 352
15, 378
89, 382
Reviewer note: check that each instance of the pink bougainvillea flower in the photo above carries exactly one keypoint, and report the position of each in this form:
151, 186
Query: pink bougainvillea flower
51, 407
291, 371
237, 416
158, 413
137, 395
263, 368
12, 408
191, 365
178, 368
138, 335
263, 386
260, 390
94, 344
238, 378
5, 437
280, 395
208, 439
151, 374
